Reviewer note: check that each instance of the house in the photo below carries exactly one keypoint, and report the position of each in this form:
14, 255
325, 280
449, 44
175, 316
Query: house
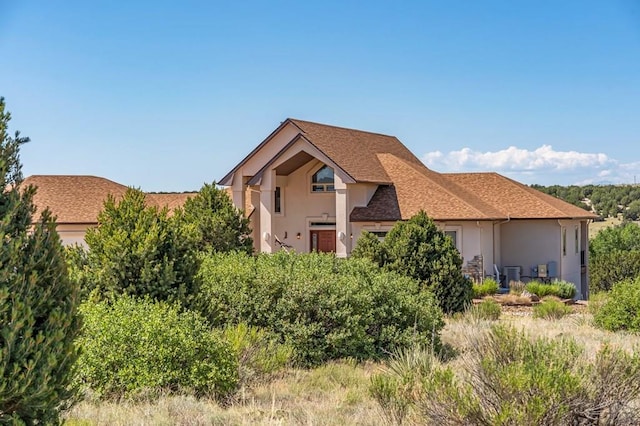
311, 186
76, 201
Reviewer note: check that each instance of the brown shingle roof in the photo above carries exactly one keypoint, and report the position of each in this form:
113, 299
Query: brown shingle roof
79, 199
408, 186
515, 200
459, 196
418, 188
355, 151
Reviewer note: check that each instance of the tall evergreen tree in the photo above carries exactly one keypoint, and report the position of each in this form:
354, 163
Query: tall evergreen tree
220, 226
139, 250
38, 303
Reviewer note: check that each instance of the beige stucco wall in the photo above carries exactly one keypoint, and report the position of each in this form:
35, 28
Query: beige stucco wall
527, 243
71, 234
301, 207
474, 238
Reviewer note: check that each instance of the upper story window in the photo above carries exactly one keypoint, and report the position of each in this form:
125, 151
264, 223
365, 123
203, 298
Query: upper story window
277, 206
322, 180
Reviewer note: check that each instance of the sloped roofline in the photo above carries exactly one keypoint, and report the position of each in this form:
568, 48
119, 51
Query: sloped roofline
226, 180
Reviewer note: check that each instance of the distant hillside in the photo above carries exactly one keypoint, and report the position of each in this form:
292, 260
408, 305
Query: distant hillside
604, 200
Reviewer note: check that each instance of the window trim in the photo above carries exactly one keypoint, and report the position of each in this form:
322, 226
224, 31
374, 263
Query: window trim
278, 195
327, 187
458, 230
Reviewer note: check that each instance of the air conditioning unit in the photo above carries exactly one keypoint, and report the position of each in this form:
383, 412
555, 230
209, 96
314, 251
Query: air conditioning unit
511, 273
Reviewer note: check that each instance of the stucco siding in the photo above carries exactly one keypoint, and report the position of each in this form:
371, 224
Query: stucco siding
301, 207
71, 234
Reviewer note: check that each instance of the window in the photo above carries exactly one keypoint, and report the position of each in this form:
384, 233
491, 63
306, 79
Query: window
564, 241
277, 206
577, 235
322, 180
455, 233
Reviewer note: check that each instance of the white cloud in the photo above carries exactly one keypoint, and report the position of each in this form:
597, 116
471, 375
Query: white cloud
543, 165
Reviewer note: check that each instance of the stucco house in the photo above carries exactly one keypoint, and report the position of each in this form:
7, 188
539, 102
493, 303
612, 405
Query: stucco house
311, 186
76, 201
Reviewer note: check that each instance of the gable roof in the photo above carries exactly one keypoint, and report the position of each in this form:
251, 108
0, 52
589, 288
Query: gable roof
354, 151
77, 199
407, 186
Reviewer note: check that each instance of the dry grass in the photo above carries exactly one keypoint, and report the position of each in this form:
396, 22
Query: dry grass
334, 394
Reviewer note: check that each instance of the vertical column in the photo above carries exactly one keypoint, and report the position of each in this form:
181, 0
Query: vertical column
343, 228
238, 190
266, 211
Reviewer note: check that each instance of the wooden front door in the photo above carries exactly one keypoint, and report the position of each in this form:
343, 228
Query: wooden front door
323, 241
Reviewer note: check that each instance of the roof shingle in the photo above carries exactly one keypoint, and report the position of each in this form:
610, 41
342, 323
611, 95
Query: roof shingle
79, 199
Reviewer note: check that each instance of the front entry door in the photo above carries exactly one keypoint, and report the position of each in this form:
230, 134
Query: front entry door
323, 241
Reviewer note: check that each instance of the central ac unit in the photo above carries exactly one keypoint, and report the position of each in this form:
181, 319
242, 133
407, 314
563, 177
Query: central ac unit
511, 273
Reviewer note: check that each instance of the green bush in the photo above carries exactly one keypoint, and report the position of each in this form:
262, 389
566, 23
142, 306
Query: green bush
509, 378
488, 309
260, 354
551, 309
418, 249
486, 288
561, 289
565, 289
323, 307
606, 269
138, 250
38, 303
621, 308
130, 347
218, 224
624, 237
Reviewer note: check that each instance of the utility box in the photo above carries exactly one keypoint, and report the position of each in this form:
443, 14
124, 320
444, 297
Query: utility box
542, 271
511, 273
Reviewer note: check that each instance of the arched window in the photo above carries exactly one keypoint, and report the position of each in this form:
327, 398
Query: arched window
322, 180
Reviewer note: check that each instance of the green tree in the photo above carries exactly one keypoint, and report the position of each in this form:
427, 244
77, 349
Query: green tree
370, 247
139, 250
219, 225
418, 249
38, 303
632, 212
623, 237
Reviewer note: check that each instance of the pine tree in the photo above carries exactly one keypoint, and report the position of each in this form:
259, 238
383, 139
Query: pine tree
220, 226
38, 303
139, 250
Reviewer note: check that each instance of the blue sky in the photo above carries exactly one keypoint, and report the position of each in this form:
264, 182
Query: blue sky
168, 95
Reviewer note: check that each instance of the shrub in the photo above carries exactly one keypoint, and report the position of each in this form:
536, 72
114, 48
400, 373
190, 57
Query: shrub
259, 352
509, 378
551, 309
219, 225
488, 287
138, 250
38, 303
488, 309
133, 346
324, 308
561, 289
621, 308
624, 237
606, 269
418, 249
565, 289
